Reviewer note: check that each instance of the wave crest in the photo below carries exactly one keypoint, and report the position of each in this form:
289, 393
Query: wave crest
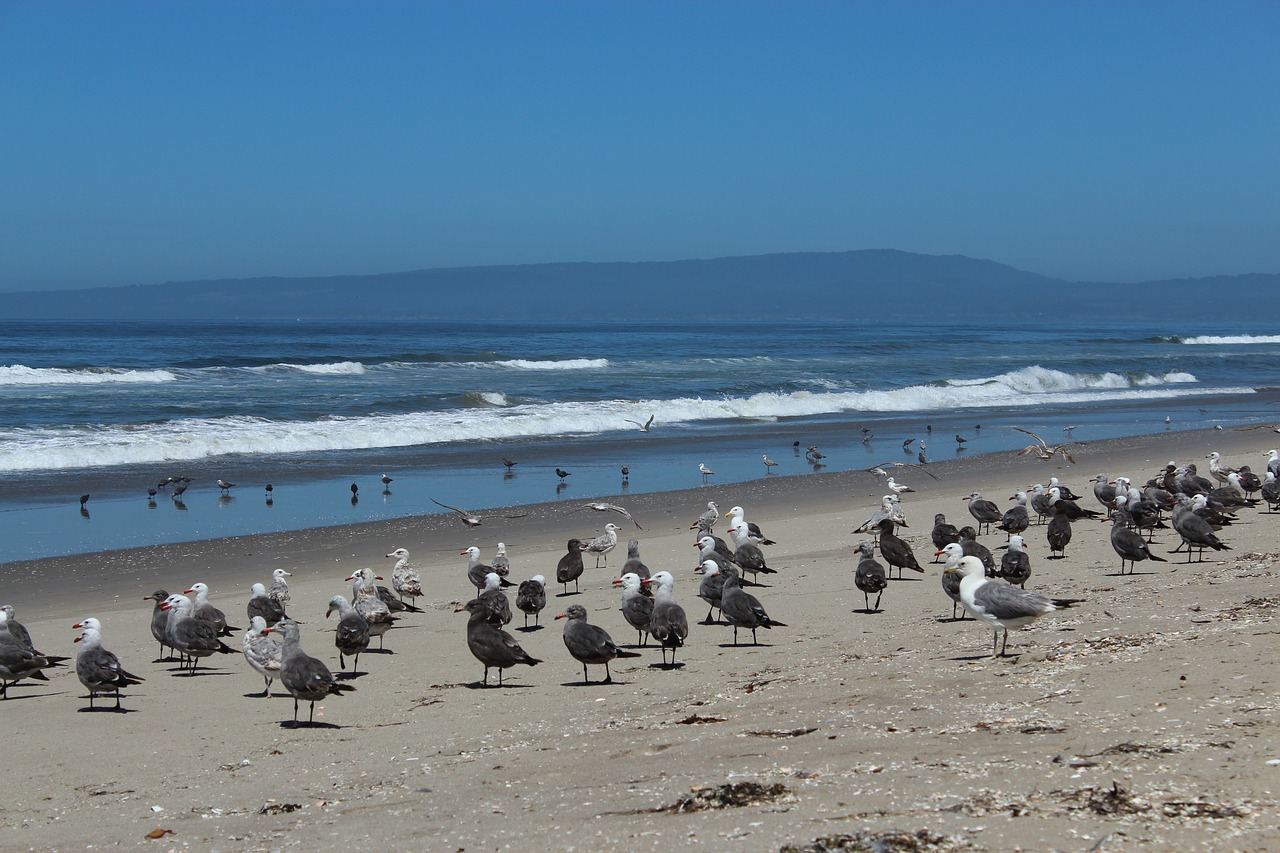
18, 374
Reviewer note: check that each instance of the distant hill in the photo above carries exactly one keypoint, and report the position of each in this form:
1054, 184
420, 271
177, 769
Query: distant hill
879, 284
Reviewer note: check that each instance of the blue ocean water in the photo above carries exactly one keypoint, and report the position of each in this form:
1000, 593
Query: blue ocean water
112, 408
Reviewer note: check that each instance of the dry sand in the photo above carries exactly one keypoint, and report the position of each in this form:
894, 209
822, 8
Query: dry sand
1143, 719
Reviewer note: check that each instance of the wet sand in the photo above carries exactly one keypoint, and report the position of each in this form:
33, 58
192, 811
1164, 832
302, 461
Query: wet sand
1143, 719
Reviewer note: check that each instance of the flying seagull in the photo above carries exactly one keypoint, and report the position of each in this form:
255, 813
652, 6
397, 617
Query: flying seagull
601, 506
468, 518
644, 427
1045, 451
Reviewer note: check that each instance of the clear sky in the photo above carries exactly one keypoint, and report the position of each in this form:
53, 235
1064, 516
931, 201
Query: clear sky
143, 142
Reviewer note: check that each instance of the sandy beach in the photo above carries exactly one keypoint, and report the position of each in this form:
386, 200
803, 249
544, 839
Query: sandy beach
1145, 718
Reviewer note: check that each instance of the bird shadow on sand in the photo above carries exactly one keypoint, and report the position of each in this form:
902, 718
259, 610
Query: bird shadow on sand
10, 697
166, 660
299, 724
1056, 557
870, 611
732, 645
677, 665
106, 709
349, 676
983, 656
199, 673
480, 685
378, 652
901, 578
947, 620
1125, 574
268, 696
614, 683
568, 594
529, 629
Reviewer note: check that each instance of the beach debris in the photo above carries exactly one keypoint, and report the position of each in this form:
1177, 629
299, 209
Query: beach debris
727, 796
159, 833
880, 841
696, 719
272, 807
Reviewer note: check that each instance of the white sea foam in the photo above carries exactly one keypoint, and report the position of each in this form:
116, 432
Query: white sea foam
337, 368
1233, 339
177, 440
18, 374
562, 364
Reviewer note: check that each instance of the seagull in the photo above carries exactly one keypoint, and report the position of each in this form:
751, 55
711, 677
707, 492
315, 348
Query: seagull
589, 643
668, 623
466, 518
386, 481
1045, 452
561, 473
604, 543
531, 598
405, 579
769, 464
570, 566
741, 609
262, 653
898, 488
637, 607
708, 519
355, 493
471, 519
98, 669
869, 576
305, 677
753, 530
705, 471
510, 464
960, 439
812, 453
478, 572
601, 506
492, 646
1000, 605
644, 427
84, 499
1130, 546
984, 511
879, 471
221, 483
264, 607
352, 634
711, 587
279, 589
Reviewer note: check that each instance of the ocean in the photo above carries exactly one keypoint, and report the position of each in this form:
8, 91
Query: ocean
110, 409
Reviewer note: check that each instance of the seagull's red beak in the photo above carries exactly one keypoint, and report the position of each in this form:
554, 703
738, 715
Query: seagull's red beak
187, 591
562, 616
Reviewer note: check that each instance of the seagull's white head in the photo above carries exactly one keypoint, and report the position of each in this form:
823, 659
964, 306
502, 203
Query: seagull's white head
281, 573
709, 568
967, 567
473, 552
399, 554
258, 589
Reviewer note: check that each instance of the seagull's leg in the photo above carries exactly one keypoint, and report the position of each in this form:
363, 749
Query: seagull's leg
311, 714
295, 710
608, 677
878, 600
586, 680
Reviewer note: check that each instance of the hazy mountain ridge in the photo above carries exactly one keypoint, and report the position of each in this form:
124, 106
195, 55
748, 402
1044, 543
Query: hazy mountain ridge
874, 284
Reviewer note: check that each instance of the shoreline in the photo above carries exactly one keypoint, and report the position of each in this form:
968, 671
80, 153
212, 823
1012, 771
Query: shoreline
1161, 685
543, 525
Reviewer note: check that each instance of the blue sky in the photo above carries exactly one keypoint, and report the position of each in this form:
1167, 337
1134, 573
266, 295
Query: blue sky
151, 141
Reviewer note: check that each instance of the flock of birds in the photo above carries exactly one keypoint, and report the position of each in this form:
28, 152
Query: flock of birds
193, 628
1197, 508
